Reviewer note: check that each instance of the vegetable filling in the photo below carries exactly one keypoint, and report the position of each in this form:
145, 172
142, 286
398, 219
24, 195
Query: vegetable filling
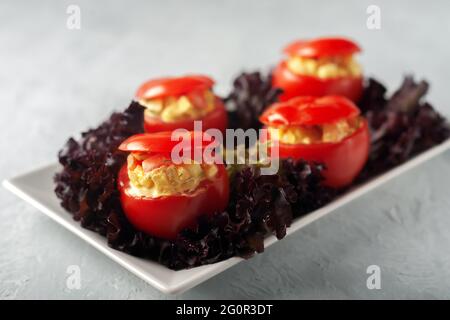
165, 178
186, 107
326, 133
325, 67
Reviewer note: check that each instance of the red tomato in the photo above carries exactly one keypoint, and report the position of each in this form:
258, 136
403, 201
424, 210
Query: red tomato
173, 86
216, 119
192, 86
294, 85
166, 216
343, 159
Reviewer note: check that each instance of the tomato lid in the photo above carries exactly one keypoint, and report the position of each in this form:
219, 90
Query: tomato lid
162, 142
173, 86
303, 111
321, 47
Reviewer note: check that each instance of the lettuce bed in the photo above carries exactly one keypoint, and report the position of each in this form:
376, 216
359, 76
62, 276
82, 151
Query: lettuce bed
402, 126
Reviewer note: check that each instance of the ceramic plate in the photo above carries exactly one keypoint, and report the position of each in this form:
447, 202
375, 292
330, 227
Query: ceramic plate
36, 187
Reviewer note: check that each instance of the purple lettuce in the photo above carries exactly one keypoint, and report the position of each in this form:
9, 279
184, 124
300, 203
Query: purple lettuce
402, 126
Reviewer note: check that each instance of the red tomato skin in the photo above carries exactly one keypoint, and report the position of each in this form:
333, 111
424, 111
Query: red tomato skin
173, 86
166, 216
161, 142
322, 47
308, 110
344, 160
294, 85
216, 119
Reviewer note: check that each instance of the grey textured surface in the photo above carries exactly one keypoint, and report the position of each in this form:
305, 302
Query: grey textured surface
55, 82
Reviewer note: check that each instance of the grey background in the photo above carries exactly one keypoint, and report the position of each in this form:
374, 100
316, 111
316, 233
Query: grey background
55, 82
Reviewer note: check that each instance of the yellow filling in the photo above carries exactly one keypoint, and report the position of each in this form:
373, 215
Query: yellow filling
325, 67
168, 179
173, 109
333, 132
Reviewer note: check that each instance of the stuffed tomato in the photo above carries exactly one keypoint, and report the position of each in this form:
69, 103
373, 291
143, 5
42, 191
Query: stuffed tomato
318, 67
328, 130
176, 102
162, 197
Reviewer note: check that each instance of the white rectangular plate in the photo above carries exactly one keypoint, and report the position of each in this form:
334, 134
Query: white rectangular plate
36, 187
